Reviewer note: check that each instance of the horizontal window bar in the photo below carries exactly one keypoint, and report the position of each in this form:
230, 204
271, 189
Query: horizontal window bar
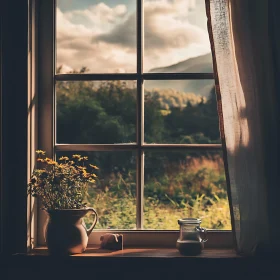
95, 147
96, 77
178, 76
182, 146
133, 146
124, 76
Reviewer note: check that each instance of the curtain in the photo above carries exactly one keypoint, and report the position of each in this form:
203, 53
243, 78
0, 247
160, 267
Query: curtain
246, 49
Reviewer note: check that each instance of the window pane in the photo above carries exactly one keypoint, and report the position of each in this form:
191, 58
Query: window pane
183, 185
114, 193
181, 112
176, 37
94, 112
96, 36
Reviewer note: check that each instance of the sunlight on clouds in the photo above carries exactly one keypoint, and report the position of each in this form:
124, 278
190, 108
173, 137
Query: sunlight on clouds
76, 44
66, 28
100, 17
103, 37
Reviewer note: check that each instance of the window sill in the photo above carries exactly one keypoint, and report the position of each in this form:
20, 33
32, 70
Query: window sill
167, 253
142, 263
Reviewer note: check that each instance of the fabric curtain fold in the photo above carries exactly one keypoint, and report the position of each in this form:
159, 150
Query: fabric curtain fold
246, 50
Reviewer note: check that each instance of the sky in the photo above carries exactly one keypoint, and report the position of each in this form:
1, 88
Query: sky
101, 35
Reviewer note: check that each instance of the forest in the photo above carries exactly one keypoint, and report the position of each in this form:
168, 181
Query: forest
177, 184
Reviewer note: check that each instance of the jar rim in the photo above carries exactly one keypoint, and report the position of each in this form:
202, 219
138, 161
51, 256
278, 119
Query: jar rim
186, 221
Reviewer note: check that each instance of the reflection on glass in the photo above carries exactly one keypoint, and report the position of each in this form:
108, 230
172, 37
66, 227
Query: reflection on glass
176, 37
181, 112
96, 36
94, 112
185, 185
114, 193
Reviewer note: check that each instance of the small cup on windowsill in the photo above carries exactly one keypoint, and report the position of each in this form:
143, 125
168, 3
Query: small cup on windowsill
111, 241
190, 242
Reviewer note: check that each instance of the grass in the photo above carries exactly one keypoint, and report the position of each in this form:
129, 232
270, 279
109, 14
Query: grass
193, 188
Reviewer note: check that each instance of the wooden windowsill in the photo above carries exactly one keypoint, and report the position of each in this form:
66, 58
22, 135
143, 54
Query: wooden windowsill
141, 263
94, 251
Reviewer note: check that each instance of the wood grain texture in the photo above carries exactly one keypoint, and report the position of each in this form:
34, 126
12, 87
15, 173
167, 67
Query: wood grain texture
145, 252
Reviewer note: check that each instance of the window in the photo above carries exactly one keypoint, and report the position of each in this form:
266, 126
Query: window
130, 85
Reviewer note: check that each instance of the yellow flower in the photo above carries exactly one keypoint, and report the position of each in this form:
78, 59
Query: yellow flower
91, 181
81, 167
86, 175
93, 166
40, 152
64, 158
40, 160
76, 156
83, 158
51, 162
93, 175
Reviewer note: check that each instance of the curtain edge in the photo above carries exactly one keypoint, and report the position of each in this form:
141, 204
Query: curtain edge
221, 120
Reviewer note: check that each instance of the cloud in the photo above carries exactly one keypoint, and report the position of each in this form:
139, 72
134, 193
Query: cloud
74, 40
123, 34
103, 38
99, 16
165, 26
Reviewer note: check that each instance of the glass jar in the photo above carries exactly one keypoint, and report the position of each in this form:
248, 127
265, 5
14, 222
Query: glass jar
192, 236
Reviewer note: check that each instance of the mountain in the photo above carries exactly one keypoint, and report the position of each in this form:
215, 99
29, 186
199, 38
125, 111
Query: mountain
199, 64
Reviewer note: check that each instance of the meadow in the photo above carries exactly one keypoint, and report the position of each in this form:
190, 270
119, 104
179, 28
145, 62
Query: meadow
176, 184
196, 190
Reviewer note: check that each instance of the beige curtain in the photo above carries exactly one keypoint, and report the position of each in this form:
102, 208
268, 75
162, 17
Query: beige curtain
243, 35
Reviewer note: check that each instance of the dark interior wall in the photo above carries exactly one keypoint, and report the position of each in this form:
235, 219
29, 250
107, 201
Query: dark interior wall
273, 138
1, 9
14, 78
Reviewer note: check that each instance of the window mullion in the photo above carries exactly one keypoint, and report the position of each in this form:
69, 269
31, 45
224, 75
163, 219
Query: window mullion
140, 118
46, 86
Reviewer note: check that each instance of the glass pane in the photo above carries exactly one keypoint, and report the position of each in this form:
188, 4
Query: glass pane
176, 37
181, 112
96, 36
185, 185
114, 193
94, 112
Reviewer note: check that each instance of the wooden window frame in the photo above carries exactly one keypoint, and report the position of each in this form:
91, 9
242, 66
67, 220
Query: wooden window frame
47, 78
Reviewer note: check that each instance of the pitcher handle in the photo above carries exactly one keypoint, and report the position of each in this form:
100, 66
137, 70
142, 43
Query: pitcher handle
94, 222
204, 231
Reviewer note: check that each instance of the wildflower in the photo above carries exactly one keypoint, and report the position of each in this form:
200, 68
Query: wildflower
81, 167
40, 152
93, 166
76, 156
86, 175
83, 158
64, 158
52, 162
53, 183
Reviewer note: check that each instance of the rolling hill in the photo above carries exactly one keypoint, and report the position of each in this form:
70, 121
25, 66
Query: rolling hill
200, 64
